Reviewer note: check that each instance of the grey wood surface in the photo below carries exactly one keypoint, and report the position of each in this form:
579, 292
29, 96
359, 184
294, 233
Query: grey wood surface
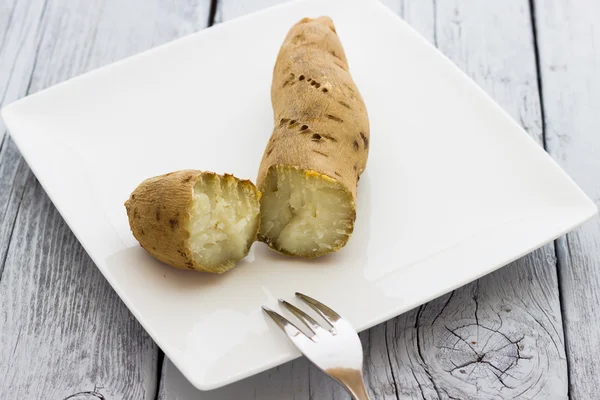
63, 331
569, 53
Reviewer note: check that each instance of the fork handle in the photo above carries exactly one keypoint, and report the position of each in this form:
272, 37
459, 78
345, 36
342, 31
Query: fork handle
352, 380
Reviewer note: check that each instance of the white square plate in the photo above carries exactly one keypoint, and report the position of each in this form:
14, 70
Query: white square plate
453, 190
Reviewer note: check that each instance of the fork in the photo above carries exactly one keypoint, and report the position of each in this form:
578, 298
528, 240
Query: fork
335, 350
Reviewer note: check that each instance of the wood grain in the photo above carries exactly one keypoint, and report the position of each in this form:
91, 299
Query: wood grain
63, 331
569, 53
18, 44
498, 338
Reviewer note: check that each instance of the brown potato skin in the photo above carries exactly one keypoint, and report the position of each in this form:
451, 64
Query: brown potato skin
321, 122
312, 93
158, 212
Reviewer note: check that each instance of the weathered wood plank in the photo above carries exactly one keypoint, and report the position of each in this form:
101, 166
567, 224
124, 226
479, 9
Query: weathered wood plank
62, 328
484, 340
568, 37
18, 42
499, 337
288, 381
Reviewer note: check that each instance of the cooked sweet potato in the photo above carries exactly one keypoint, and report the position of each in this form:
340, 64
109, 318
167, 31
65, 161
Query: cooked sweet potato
318, 148
196, 220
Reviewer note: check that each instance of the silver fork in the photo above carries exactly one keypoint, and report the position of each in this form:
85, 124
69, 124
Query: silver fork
336, 350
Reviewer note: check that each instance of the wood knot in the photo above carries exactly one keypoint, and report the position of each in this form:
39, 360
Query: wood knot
476, 353
476, 345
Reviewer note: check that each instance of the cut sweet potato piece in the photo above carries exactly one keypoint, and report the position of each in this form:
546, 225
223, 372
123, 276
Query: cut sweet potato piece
318, 148
196, 220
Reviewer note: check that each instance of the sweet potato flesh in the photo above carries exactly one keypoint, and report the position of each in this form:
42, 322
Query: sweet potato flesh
305, 213
223, 221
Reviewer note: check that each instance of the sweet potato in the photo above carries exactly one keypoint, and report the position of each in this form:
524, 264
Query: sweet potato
319, 146
196, 220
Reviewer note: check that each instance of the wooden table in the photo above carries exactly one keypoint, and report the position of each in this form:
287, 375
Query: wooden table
529, 330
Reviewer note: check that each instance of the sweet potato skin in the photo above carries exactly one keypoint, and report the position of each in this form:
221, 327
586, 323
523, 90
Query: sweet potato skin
158, 213
321, 122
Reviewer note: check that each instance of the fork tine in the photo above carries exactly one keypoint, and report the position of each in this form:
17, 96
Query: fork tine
327, 313
302, 316
289, 328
